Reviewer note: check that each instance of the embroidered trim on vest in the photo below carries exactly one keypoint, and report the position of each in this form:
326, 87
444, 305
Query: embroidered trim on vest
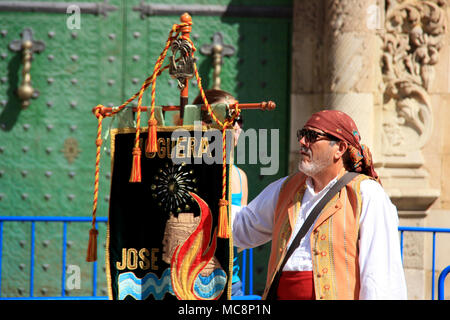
335, 246
282, 226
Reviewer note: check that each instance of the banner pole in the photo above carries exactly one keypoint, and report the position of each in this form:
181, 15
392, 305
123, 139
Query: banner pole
185, 35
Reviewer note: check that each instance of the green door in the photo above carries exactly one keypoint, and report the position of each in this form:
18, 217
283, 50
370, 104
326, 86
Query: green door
47, 150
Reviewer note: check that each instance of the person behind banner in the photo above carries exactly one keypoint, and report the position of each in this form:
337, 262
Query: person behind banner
239, 184
352, 249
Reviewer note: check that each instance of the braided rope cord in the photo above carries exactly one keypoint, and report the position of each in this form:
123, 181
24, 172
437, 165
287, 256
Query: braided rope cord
223, 231
151, 80
98, 143
156, 72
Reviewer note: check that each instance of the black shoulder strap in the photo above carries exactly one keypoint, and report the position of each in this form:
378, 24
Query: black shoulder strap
346, 178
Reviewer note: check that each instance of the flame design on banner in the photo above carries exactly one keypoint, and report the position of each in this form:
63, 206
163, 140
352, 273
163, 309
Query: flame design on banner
193, 255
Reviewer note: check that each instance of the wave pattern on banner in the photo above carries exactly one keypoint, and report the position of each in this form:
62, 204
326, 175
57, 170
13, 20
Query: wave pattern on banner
208, 287
211, 286
140, 289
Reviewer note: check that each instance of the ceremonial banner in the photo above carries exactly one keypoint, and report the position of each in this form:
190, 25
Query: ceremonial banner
162, 232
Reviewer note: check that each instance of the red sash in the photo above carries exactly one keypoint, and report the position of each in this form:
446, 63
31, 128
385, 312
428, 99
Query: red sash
296, 285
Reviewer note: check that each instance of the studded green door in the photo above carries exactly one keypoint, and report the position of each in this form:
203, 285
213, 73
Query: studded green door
47, 150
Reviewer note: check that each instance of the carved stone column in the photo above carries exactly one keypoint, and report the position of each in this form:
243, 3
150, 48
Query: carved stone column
413, 36
336, 54
374, 60
350, 57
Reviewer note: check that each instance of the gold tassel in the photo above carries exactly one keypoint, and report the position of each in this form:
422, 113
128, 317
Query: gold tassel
223, 231
136, 168
92, 246
152, 145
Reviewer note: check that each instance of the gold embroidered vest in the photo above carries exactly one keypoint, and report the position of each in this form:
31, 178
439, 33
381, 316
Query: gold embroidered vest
334, 238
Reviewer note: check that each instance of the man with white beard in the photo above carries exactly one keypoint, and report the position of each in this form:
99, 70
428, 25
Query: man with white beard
349, 247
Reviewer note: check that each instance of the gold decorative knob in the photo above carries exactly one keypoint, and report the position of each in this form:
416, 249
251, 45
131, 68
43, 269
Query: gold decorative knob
27, 45
25, 90
218, 50
217, 65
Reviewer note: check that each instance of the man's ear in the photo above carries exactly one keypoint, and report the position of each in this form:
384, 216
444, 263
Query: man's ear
342, 148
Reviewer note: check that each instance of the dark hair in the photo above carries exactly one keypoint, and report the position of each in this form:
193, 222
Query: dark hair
213, 96
346, 160
348, 164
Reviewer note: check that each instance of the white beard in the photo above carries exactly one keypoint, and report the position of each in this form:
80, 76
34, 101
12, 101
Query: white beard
313, 167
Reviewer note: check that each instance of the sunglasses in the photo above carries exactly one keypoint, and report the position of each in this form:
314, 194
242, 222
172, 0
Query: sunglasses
311, 136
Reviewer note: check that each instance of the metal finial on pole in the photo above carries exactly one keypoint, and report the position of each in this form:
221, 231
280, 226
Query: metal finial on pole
186, 68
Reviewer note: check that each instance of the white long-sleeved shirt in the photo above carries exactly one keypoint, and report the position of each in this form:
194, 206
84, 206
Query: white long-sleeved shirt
381, 270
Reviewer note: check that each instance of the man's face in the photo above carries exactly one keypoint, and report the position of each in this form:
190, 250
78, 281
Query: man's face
315, 156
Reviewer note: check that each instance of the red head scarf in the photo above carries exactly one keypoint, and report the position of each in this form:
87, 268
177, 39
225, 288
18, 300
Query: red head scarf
341, 126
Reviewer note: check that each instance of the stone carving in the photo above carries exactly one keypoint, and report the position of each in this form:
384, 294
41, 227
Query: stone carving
414, 36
